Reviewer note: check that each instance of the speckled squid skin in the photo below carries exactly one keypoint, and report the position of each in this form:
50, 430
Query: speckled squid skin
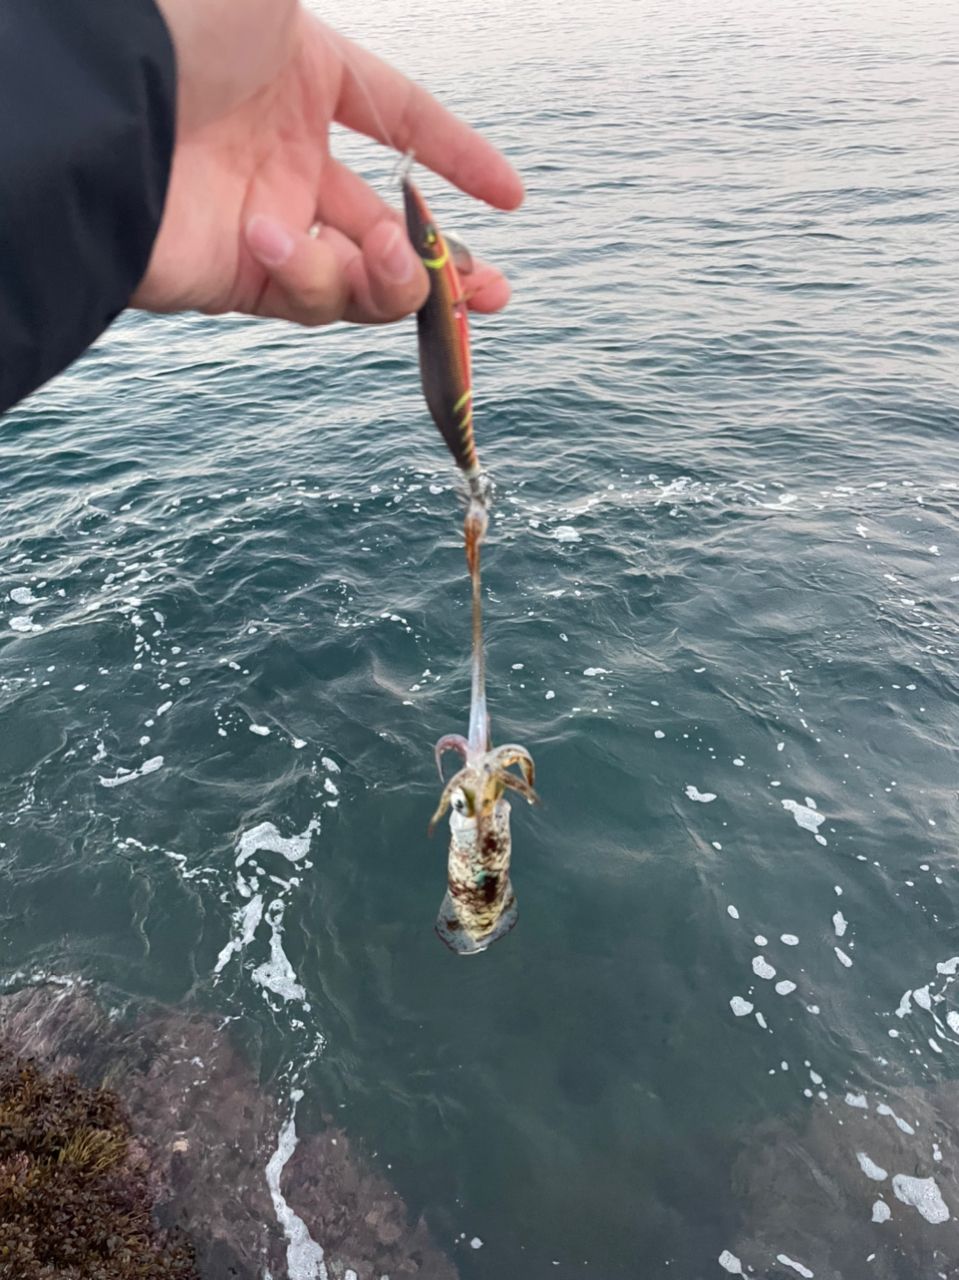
479, 905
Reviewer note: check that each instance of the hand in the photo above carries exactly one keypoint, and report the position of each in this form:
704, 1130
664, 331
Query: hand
259, 82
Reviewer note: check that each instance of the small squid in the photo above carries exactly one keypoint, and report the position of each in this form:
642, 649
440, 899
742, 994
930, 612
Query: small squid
479, 906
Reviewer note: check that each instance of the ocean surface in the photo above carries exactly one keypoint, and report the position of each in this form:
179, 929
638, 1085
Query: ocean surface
722, 600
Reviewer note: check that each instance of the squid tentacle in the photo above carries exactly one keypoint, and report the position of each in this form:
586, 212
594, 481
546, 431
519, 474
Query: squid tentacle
510, 753
444, 803
449, 742
513, 783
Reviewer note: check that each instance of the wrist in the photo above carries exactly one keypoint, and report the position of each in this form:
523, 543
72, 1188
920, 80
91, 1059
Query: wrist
225, 51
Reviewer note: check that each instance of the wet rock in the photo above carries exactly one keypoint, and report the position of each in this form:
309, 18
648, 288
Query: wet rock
210, 1131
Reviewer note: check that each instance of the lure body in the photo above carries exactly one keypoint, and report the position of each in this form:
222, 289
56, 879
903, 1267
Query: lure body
444, 344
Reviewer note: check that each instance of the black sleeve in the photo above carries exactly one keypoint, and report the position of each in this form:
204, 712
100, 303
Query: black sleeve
87, 122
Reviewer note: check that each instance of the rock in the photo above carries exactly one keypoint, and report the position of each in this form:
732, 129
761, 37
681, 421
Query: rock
209, 1131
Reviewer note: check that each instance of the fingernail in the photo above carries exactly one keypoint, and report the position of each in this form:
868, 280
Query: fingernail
269, 241
398, 259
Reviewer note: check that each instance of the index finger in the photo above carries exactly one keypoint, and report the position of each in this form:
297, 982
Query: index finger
381, 102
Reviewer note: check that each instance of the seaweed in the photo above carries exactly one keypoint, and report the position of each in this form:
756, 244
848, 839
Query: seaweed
76, 1200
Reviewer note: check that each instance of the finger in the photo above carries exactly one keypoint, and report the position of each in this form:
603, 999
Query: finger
306, 276
381, 102
486, 289
318, 280
380, 292
394, 281
349, 203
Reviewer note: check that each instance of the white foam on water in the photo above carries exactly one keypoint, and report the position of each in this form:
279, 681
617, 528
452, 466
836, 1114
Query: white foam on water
23, 595
595, 671
905, 1005
260, 729
857, 1100
843, 958
870, 1168
24, 623
566, 533
131, 775
789, 939
740, 1007
730, 1263
806, 816
732, 911
796, 1266
330, 765
476, 1243
760, 941
246, 919
704, 797
762, 968
840, 924
923, 1195
953, 1019
304, 1257
277, 974
267, 838
884, 1110
785, 987
948, 967
922, 997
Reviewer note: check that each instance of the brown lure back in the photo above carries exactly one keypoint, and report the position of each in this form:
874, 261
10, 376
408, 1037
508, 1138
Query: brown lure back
443, 332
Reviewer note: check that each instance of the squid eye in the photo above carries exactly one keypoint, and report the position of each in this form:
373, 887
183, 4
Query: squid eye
462, 802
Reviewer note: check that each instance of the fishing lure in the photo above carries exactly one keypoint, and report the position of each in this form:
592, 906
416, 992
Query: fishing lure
444, 340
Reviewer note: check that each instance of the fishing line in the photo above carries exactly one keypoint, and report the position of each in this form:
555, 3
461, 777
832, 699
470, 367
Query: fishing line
342, 44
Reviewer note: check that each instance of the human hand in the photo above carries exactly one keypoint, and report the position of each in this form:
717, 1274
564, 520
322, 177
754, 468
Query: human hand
259, 83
